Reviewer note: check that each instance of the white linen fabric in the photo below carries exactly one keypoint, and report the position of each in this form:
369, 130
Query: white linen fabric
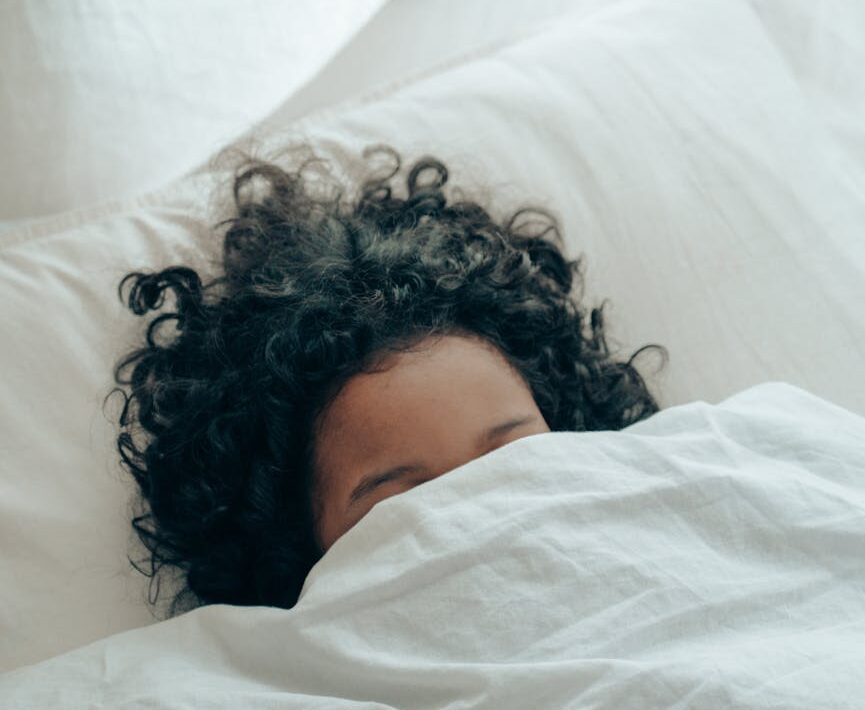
708, 557
102, 99
406, 39
709, 174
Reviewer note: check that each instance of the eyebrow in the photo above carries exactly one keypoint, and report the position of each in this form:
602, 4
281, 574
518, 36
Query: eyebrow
373, 480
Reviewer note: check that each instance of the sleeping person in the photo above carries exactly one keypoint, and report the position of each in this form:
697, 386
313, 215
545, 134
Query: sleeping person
348, 351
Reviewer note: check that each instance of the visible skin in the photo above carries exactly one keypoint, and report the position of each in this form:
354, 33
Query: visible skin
432, 407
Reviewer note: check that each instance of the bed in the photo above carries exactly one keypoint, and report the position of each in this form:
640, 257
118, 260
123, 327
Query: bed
708, 159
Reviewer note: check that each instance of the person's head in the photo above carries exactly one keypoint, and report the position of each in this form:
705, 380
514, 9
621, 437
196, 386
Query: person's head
451, 400
350, 350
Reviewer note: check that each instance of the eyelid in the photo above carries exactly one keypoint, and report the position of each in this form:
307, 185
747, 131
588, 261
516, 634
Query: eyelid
506, 428
372, 484
486, 443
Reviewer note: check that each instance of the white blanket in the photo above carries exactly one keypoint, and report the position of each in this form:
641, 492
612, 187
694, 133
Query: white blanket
712, 556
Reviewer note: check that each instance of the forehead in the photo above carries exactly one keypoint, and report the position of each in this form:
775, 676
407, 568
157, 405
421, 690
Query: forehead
442, 382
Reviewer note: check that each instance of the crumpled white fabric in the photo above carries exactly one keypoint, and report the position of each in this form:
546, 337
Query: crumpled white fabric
705, 156
710, 556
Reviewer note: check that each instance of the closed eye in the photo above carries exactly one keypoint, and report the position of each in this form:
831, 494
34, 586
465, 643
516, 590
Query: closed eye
374, 480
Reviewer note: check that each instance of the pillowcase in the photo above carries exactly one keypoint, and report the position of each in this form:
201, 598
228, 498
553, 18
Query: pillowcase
674, 142
103, 100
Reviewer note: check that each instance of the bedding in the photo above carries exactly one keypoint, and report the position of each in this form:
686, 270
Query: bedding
695, 165
103, 99
707, 557
406, 39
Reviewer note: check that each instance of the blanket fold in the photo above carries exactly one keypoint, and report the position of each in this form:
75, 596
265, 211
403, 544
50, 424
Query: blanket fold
709, 556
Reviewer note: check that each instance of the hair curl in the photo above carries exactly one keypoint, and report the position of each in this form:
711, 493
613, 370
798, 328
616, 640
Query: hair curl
314, 291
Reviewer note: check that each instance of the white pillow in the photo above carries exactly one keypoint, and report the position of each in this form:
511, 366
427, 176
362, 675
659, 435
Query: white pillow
677, 147
104, 99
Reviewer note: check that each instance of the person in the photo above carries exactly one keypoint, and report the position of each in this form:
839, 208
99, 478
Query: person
348, 351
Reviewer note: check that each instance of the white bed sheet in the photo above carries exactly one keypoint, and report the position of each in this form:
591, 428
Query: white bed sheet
706, 558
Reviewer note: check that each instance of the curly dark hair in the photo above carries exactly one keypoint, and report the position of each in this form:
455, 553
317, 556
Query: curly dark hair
313, 291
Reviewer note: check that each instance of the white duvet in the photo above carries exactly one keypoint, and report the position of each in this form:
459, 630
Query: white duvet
712, 556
